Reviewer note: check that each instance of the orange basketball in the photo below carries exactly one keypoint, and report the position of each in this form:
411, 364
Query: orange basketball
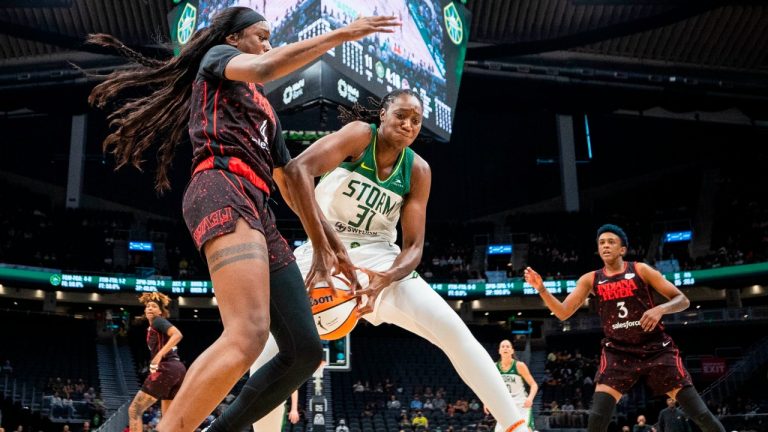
334, 312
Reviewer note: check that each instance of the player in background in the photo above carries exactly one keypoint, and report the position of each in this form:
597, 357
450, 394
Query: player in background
515, 375
166, 371
635, 344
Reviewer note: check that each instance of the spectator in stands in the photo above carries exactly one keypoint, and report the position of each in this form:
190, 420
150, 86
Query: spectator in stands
86, 426
69, 407
474, 405
342, 427
404, 422
428, 392
358, 387
416, 403
419, 421
641, 425
461, 405
393, 403
166, 371
439, 402
672, 419
7, 367
57, 406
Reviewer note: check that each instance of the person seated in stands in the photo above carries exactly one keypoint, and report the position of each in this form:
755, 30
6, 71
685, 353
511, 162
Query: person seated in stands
368, 410
567, 413
358, 387
555, 419
474, 405
641, 425
393, 403
7, 367
428, 392
69, 407
419, 421
439, 403
416, 403
89, 395
461, 405
404, 422
342, 427
57, 406
378, 388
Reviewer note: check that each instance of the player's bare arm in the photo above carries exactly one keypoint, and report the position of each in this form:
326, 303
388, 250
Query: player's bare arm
677, 301
562, 310
321, 157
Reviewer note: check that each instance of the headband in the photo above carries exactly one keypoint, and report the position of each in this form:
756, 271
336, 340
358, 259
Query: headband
245, 20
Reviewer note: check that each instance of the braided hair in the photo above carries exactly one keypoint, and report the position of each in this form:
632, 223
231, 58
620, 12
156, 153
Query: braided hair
160, 299
359, 112
160, 118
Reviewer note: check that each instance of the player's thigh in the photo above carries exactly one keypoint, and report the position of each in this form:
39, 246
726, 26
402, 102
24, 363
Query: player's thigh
239, 266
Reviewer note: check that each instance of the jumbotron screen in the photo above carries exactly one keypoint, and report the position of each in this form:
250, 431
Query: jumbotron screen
425, 54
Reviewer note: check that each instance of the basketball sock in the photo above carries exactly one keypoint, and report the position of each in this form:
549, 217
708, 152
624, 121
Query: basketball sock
697, 410
601, 412
299, 354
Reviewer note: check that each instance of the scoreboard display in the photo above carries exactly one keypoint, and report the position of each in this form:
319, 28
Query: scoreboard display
425, 54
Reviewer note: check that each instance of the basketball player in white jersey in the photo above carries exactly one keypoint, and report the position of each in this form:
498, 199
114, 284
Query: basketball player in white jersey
515, 375
370, 180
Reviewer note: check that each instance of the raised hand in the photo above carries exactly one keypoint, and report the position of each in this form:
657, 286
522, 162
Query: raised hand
533, 278
364, 26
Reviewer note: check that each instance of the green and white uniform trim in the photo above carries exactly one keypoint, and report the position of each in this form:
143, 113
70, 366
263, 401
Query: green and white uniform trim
516, 387
359, 205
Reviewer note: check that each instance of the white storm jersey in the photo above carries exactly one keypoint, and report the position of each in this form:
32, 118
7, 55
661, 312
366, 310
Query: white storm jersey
513, 380
362, 207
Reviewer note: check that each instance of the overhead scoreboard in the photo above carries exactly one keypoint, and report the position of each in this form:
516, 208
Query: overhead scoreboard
425, 54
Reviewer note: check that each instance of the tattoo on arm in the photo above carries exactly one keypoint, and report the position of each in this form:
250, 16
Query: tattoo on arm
239, 252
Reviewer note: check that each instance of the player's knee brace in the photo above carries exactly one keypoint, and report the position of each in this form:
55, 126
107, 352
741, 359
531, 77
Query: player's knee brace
601, 412
694, 407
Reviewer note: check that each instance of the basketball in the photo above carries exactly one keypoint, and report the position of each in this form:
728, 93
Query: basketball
335, 314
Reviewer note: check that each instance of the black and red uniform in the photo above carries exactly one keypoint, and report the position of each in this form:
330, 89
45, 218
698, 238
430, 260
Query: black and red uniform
630, 353
166, 381
237, 142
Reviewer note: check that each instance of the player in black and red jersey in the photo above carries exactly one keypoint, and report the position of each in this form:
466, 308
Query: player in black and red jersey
213, 91
166, 371
635, 344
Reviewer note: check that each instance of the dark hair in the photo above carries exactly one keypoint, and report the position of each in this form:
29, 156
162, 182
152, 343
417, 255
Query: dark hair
615, 229
160, 118
160, 299
371, 115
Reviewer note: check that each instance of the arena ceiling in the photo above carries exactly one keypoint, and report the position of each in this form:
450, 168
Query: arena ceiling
710, 43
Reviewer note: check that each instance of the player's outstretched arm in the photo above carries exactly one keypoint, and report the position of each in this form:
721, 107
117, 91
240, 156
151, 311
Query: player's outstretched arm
677, 301
281, 61
562, 310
